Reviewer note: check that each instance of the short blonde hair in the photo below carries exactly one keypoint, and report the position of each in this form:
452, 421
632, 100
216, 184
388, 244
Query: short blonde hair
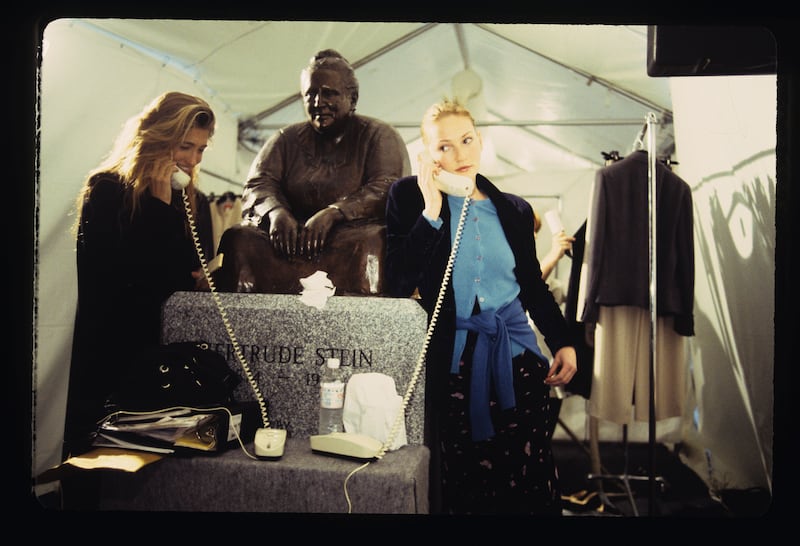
435, 112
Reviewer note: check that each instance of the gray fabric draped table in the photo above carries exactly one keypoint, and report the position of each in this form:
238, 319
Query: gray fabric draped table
299, 482
286, 342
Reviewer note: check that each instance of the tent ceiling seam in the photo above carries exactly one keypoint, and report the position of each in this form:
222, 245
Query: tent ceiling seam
253, 120
462, 45
503, 123
589, 76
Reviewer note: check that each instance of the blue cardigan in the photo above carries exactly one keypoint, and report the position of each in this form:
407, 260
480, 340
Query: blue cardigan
417, 255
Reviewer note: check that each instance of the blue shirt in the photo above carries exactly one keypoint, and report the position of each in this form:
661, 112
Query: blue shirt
484, 271
484, 268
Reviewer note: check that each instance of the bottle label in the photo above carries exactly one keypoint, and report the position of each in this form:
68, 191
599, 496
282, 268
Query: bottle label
332, 395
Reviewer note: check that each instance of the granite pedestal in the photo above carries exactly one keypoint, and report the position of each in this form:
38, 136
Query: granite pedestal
285, 343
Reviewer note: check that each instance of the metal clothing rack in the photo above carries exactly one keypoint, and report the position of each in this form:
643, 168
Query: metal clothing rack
651, 205
648, 129
624, 478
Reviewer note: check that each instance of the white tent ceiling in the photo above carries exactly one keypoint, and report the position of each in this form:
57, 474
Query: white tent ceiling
548, 97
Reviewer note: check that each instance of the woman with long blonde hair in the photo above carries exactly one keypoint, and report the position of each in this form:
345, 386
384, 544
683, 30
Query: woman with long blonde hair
134, 248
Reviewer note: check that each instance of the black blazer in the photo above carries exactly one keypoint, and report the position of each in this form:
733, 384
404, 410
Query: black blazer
127, 268
417, 255
617, 258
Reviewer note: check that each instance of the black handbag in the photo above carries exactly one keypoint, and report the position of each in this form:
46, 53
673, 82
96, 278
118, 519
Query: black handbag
175, 374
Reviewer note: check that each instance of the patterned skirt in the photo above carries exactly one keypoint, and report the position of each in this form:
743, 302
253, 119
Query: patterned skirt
512, 472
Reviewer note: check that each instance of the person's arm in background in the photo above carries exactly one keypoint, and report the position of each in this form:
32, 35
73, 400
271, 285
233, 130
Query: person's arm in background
561, 243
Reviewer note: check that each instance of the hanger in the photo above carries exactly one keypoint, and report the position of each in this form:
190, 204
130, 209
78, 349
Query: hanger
227, 196
638, 144
611, 157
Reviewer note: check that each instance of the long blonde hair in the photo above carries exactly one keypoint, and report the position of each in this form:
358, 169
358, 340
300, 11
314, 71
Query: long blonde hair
146, 142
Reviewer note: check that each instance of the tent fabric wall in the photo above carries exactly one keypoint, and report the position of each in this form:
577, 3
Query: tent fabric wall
83, 78
726, 133
95, 75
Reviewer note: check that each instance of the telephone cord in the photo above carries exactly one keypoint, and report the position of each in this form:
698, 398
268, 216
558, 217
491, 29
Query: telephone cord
235, 343
400, 417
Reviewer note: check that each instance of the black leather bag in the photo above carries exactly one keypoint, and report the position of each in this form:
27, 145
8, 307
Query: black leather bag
175, 374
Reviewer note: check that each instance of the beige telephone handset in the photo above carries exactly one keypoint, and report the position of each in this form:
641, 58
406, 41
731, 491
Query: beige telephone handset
451, 183
269, 443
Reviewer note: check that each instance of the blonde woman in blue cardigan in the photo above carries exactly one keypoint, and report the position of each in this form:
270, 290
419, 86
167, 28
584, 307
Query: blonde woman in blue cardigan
487, 383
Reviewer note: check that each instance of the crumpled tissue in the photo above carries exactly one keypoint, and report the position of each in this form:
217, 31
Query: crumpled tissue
317, 288
371, 406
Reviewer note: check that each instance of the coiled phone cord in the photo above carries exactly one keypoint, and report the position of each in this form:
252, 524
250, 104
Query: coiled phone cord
236, 348
400, 417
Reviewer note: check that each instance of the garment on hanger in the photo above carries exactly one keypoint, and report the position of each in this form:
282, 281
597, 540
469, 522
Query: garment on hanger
581, 383
621, 367
226, 211
615, 273
203, 221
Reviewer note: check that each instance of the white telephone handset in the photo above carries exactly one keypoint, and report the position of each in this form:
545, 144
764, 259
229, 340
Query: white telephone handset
180, 179
454, 184
450, 183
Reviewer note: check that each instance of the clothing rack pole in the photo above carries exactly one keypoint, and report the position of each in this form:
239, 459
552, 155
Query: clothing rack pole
651, 204
625, 478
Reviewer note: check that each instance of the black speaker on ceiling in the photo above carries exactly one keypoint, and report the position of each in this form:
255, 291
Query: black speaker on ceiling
710, 51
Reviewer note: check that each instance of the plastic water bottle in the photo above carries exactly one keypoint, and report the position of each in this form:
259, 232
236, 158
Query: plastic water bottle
331, 406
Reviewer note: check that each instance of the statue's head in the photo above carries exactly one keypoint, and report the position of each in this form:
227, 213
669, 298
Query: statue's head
329, 89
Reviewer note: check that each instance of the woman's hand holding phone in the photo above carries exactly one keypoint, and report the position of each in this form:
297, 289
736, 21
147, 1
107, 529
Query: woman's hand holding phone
428, 170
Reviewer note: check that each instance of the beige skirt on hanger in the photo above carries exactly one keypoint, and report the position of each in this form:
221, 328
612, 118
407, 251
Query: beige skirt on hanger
621, 377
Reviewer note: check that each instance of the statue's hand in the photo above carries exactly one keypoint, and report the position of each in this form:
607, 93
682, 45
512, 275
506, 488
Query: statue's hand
315, 232
283, 231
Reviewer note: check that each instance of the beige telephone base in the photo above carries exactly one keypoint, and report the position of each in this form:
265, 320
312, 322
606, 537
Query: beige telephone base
347, 444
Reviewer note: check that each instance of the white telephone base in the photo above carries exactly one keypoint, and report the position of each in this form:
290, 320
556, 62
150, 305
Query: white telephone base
347, 444
269, 443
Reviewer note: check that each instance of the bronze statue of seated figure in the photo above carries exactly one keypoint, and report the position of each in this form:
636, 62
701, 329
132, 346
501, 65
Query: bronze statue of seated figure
353, 259
315, 197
